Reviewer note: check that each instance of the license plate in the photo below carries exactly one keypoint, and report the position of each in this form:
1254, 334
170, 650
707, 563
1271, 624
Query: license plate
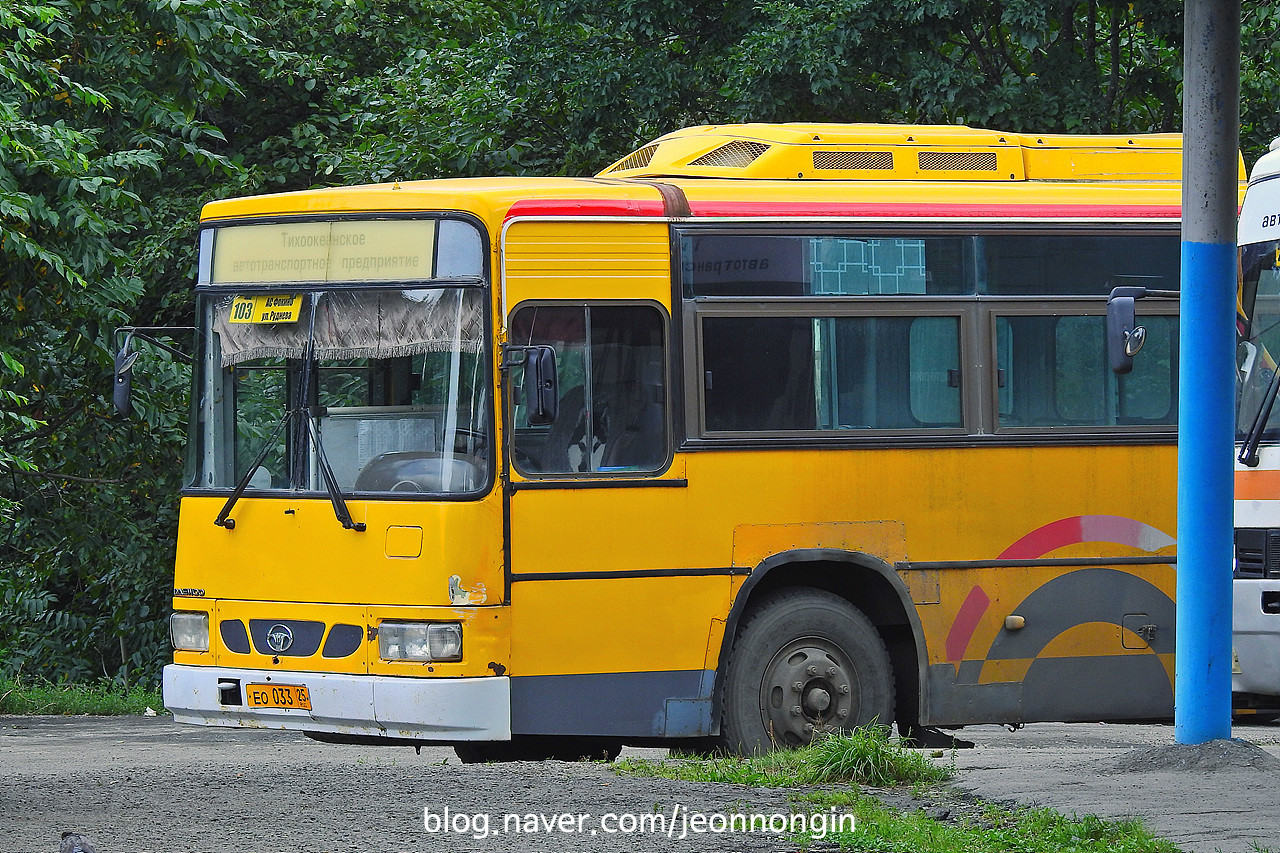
278, 696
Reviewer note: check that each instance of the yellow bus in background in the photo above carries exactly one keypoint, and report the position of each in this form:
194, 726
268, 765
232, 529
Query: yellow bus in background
764, 431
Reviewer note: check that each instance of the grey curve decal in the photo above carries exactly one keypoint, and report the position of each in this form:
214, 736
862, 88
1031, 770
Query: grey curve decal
1086, 595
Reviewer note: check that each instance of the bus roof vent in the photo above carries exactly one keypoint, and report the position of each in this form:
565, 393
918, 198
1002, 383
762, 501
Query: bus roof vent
635, 160
853, 160
884, 152
968, 161
738, 153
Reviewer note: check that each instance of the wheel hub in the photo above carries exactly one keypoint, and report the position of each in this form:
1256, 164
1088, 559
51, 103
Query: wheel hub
817, 700
808, 688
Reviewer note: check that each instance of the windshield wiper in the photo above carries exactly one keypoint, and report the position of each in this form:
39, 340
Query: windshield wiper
230, 523
300, 411
309, 369
336, 497
1249, 451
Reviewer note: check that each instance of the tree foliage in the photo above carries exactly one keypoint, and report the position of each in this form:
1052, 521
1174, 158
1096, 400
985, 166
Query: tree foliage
118, 118
98, 104
568, 85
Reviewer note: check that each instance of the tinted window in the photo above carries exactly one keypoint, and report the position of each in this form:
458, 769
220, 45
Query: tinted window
831, 373
762, 265
612, 407
1054, 373
1080, 265
737, 265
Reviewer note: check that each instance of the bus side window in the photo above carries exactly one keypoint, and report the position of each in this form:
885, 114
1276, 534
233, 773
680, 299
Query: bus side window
784, 374
1149, 393
610, 367
1053, 373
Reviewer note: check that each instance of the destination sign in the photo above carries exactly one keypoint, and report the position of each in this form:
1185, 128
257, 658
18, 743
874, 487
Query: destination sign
269, 308
301, 252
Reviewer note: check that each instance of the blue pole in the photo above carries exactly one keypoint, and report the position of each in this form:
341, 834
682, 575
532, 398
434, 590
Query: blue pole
1206, 432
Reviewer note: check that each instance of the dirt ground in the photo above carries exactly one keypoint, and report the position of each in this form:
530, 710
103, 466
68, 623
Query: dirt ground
1216, 797
147, 784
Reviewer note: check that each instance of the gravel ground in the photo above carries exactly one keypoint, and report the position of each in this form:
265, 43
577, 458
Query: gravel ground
134, 784
147, 784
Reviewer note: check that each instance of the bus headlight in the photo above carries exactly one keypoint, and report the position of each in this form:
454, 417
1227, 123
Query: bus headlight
189, 632
420, 641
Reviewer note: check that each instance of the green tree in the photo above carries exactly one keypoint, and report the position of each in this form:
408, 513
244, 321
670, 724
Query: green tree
97, 100
566, 86
119, 118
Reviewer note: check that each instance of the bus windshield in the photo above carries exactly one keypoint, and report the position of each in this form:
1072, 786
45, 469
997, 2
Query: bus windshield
392, 381
1259, 334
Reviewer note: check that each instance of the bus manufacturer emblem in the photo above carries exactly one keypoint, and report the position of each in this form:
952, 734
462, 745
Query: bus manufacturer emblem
279, 638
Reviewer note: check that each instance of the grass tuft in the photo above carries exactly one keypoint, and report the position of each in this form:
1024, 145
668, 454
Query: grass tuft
881, 829
104, 699
864, 756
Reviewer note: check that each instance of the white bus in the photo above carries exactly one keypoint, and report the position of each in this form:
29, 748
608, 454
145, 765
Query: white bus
1255, 665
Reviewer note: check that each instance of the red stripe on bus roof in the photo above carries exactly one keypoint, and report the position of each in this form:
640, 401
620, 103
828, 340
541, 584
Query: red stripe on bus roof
639, 207
586, 207
1028, 211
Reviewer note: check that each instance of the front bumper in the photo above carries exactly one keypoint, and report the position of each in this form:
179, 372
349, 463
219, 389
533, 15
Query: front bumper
428, 709
1255, 638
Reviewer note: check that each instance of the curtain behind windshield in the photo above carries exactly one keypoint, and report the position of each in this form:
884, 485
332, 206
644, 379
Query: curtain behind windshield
360, 324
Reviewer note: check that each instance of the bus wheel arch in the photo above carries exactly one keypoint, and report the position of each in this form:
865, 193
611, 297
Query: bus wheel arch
867, 584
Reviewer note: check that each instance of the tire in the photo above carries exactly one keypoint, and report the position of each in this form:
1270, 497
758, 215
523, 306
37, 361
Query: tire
538, 748
811, 640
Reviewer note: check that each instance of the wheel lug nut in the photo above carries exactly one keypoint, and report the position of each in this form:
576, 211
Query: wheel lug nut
796, 710
831, 672
813, 670
808, 727
797, 686
844, 688
842, 713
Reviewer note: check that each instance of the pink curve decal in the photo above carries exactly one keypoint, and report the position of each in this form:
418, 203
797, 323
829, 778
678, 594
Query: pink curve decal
1087, 528
967, 617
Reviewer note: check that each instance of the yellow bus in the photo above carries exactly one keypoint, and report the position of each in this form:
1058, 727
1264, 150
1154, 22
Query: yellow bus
764, 431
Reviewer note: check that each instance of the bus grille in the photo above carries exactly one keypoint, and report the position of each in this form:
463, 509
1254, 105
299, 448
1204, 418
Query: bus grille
973, 161
291, 637
740, 153
635, 160
1257, 552
853, 160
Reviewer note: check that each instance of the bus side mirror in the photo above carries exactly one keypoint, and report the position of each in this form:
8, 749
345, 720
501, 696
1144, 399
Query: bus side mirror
122, 390
1124, 339
542, 396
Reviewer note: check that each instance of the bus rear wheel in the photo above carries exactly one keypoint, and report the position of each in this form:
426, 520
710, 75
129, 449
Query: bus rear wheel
805, 662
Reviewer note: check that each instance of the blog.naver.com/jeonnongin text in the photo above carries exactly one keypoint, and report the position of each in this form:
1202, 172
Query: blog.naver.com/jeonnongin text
674, 823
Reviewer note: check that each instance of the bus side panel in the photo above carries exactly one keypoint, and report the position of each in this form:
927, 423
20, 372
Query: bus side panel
1096, 641
615, 656
580, 259
613, 606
